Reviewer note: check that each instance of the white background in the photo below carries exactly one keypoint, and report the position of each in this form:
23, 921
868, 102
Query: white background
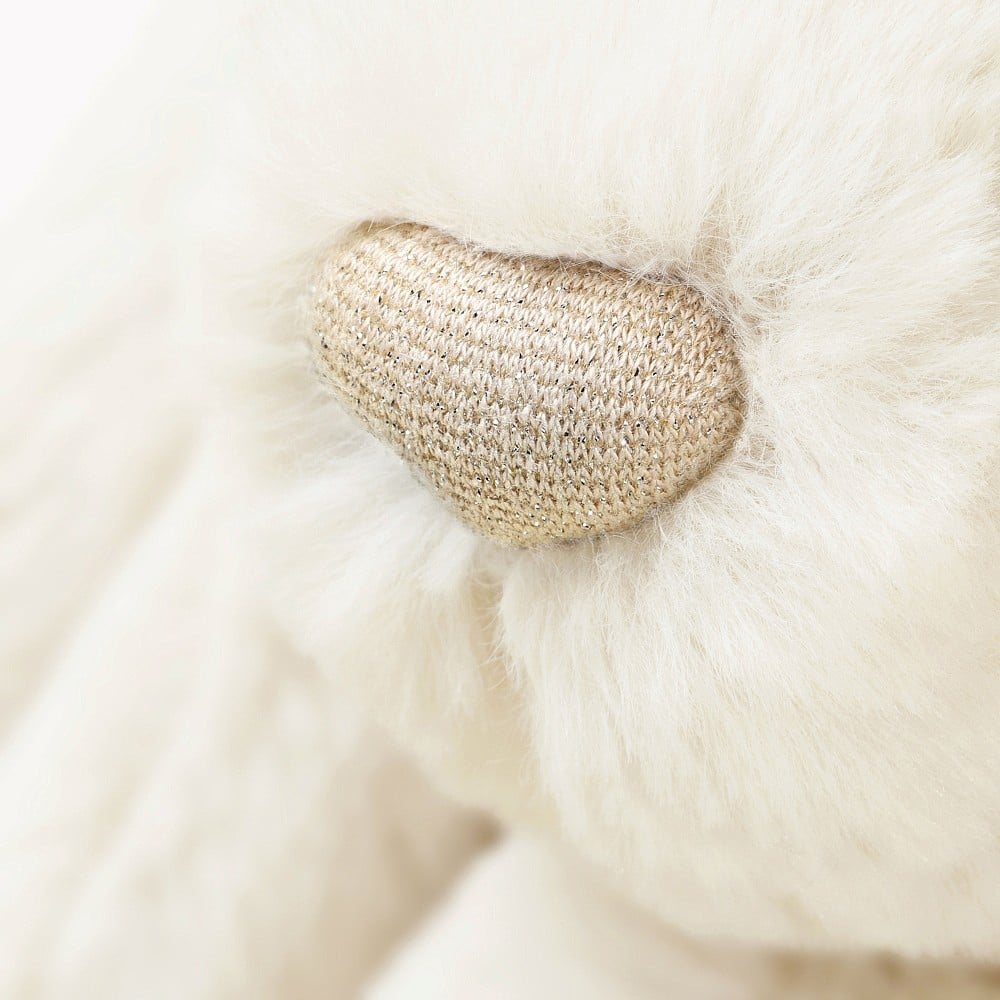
54, 56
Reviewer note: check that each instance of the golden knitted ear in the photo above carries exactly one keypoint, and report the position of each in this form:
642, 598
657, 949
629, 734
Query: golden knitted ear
543, 400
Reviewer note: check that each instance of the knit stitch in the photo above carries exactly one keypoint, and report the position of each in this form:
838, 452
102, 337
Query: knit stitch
545, 400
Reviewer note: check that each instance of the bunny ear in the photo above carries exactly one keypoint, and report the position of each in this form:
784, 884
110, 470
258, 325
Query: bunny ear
89, 426
95, 459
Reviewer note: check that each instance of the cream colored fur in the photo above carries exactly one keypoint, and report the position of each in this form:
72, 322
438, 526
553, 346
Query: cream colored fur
530, 923
769, 716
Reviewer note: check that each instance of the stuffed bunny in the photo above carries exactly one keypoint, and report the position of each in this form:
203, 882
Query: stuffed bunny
501, 501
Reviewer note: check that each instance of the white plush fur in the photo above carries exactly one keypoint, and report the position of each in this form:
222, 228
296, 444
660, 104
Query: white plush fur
531, 923
769, 715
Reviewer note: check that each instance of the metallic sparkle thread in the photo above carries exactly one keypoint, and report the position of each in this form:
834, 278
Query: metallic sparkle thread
543, 400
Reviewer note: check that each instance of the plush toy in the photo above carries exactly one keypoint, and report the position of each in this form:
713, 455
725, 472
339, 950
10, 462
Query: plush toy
501, 501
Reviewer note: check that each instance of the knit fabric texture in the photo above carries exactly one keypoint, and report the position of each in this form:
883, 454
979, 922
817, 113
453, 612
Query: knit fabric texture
544, 400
